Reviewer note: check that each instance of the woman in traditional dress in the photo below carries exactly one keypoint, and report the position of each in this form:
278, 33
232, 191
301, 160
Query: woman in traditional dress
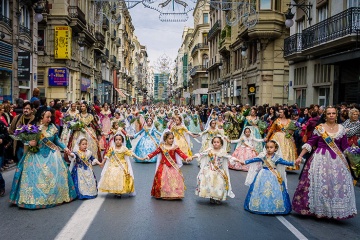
82, 171
162, 120
168, 180
195, 122
69, 116
117, 176
105, 116
282, 131
352, 127
267, 180
42, 179
182, 139
90, 132
231, 126
245, 149
326, 186
208, 135
251, 122
213, 180
149, 140
220, 122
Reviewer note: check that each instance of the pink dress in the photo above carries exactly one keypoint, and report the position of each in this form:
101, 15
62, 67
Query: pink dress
244, 151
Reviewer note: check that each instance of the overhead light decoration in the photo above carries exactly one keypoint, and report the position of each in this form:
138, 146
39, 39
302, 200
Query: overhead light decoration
242, 13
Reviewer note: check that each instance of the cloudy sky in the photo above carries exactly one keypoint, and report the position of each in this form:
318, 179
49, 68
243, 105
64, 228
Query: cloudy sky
159, 37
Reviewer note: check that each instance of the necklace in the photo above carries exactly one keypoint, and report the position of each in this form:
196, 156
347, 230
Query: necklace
331, 128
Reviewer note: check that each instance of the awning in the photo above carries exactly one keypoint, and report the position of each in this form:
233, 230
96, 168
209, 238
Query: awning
120, 92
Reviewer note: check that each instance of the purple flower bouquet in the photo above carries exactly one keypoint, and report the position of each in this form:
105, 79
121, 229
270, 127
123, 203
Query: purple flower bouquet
26, 133
353, 153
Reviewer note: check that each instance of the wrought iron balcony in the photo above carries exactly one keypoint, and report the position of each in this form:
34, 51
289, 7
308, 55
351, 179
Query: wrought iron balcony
5, 20
113, 36
100, 37
75, 12
24, 30
199, 46
332, 28
105, 24
195, 70
113, 59
118, 42
214, 29
293, 44
107, 52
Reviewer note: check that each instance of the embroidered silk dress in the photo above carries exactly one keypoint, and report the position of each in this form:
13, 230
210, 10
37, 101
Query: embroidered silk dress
245, 150
267, 193
161, 122
255, 133
280, 134
194, 123
83, 175
168, 181
213, 180
326, 188
208, 135
182, 139
105, 120
89, 132
117, 176
148, 142
66, 132
42, 179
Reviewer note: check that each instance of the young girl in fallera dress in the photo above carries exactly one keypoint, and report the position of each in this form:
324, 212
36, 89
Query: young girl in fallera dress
82, 171
267, 180
168, 181
117, 176
213, 180
245, 150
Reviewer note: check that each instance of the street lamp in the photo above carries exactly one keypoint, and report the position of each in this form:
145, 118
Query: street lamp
306, 8
243, 50
39, 9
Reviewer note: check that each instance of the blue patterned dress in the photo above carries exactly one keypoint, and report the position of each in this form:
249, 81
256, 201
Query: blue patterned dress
266, 194
42, 179
194, 128
83, 175
147, 144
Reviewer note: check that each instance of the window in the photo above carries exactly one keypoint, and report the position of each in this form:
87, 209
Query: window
322, 13
205, 60
277, 5
353, 3
265, 4
41, 40
205, 18
300, 97
300, 76
322, 73
4, 8
300, 26
205, 38
25, 17
252, 53
324, 96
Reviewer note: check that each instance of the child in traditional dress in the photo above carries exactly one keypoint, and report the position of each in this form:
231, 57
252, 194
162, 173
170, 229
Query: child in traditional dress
82, 172
245, 150
267, 180
168, 181
213, 180
117, 176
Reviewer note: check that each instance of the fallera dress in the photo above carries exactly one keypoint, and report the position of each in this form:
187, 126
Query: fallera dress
195, 123
252, 124
245, 150
65, 134
148, 142
42, 179
182, 139
168, 181
117, 176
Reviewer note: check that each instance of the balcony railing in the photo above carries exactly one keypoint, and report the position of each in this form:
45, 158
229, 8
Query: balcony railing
337, 26
113, 36
75, 12
24, 30
7, 21
118, 42
214, 29
113, 59
198, 46
292, 44
197, 69
100, 37
105, 24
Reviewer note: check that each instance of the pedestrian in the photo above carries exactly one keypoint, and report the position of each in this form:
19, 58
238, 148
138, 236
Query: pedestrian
325, 189
35, 95
117, 175
213, 180
168, 180
4, 139
267, 180
82, 171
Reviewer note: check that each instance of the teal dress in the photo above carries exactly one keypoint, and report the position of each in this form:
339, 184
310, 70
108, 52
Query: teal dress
42, 179
194, 125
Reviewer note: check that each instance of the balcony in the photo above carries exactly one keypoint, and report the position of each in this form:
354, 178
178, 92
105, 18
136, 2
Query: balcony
118, 42
78, 20
118, 65
113, 35
24, 31
214, 30
339, 31
199, 46
105, 24
6, 21
225, 40
99, 45
293, 47
197, 69
113, 60
107, 52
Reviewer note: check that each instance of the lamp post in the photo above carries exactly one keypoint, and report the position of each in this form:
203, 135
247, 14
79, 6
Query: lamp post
306, 8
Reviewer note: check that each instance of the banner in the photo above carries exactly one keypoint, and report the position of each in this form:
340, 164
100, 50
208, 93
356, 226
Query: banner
58, 77
24, 66
63, 42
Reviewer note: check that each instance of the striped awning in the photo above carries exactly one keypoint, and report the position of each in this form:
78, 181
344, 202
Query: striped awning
120, 92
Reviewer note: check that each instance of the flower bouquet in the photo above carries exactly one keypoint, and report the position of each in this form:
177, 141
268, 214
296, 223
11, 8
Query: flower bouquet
353, 153
186, 122
157, 124
76, 125
240, 118
227, 126
262, 126
67, 118
195, 119
26, 133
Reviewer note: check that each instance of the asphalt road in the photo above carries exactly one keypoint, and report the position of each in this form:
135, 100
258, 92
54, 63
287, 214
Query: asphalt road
143, 217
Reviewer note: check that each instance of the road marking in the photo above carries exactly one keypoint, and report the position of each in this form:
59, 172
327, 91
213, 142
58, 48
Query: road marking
81, 220
196, 140
291, 227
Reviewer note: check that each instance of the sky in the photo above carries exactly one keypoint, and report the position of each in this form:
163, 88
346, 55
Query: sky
158, 37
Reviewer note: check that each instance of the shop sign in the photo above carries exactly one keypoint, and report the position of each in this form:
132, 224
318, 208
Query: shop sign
251, 89
63, 42
58, 77
24, 66
85, 84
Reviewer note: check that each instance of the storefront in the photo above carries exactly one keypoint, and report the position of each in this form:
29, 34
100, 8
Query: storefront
6, 60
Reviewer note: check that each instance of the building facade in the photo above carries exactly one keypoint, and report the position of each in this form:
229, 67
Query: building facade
323, 53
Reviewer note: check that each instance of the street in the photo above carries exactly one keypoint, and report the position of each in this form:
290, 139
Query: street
143, 217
